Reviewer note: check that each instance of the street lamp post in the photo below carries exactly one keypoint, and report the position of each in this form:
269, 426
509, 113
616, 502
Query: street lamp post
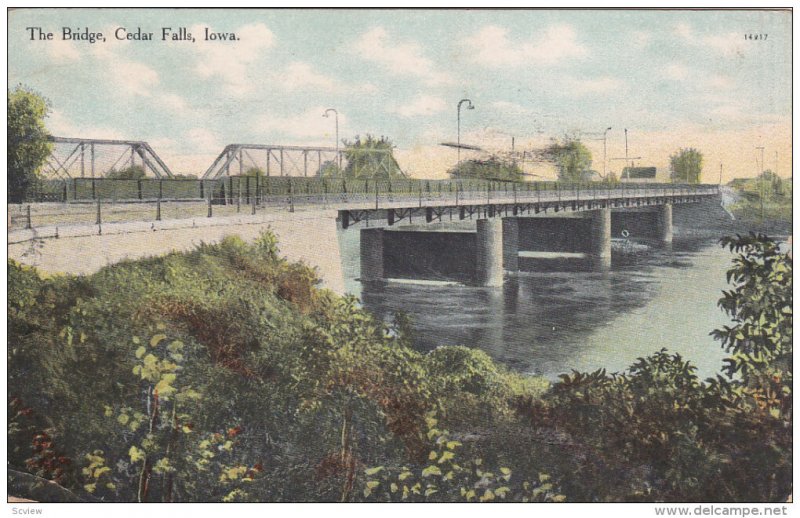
605, 133
470, 106
338, 156
761, 181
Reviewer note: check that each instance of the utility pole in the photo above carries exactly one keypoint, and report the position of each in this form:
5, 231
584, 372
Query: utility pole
720, 173
605, 133
776, 164
761, 181
626, 153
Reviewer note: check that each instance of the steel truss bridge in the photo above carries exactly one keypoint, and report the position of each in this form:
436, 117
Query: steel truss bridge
100, 158
271, 160
96, 158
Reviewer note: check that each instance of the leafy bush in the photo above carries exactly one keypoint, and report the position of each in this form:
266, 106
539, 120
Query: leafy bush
227, 374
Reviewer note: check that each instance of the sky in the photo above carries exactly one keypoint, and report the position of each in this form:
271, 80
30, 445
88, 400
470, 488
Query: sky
673, 79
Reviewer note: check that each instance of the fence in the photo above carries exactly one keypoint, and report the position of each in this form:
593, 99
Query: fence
95, 201
249, 187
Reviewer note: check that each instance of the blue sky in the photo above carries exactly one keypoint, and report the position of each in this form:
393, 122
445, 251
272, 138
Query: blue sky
673, 78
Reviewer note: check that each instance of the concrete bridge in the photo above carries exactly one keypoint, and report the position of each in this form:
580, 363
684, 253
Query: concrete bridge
494, 225
520, 224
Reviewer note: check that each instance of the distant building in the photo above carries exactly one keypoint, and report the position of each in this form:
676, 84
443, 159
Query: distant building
639, 174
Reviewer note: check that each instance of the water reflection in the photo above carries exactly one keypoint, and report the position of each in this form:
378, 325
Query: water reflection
548, 322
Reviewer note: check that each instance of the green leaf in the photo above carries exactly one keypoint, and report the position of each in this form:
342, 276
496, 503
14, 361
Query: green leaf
431, 470
157, 339
136, 454
488, 495
372, 471
140, 352
175, 346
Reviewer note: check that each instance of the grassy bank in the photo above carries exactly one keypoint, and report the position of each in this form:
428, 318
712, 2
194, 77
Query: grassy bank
227, 374
776, 210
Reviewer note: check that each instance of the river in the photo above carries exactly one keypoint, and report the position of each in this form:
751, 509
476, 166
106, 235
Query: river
548, 323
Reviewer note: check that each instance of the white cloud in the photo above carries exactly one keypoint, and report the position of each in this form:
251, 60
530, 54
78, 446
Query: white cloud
132, 77
422, 105
682, 30
307, 125
232, 62
60, 125
492, 47
719, 82
128, 77
727, 44
598, 85
300, 75
61, 50
203, 139
641, 38
675, 72
162, 144
398, 57
173, 102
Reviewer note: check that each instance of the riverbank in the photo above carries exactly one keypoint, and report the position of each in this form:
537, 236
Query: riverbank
226, 374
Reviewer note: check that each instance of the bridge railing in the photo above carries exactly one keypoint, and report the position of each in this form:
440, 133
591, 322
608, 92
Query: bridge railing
93, 201
249, 187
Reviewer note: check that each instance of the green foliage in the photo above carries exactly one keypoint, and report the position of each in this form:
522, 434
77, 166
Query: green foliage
227, 374
135, 172
760, 305
444, 477
492, 168
255, 171
767, 195
28, 147
686, 166
572, 159
371, 158
330, 169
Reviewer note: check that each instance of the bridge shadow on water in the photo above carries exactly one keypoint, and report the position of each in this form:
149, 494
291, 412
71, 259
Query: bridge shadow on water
554, 317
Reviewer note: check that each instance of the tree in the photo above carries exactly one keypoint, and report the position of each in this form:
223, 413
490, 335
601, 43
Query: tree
686, 165
255, 171
371, 158
572, 158
774, 181
28, 147
134, 172
329, 169
760, 306
492, 169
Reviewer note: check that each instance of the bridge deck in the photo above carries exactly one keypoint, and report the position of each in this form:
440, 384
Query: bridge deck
572, 198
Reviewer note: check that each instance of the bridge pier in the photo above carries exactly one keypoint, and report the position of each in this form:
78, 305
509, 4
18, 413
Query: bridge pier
511, 244
489, 252
664, 223
600, 241
371, 254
